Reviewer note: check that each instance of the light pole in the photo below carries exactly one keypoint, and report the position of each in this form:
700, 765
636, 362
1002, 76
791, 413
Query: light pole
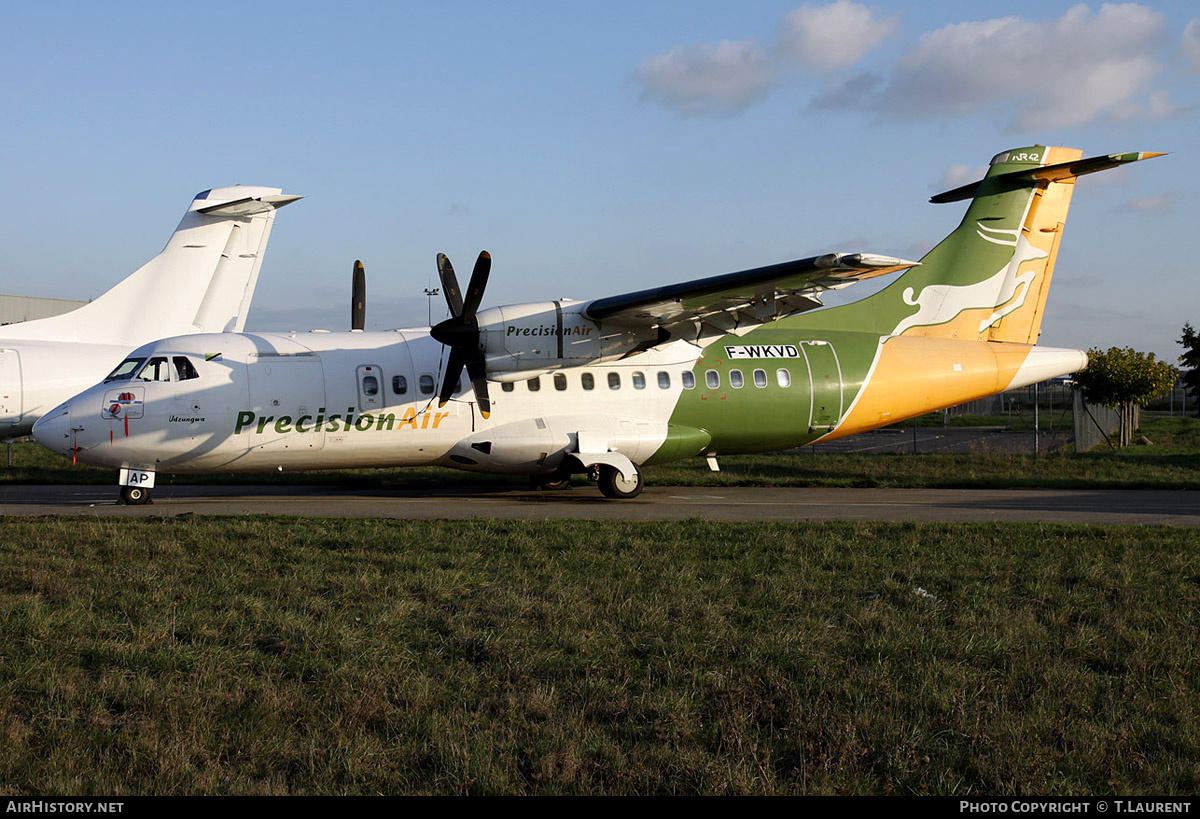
429, 294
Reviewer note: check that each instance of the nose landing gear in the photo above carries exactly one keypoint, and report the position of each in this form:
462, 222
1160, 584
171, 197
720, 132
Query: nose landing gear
135, 495
135, 485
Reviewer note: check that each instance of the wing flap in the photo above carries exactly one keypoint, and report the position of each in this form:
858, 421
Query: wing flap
745, 297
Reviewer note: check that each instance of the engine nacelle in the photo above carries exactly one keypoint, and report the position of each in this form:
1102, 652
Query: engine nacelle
541, 336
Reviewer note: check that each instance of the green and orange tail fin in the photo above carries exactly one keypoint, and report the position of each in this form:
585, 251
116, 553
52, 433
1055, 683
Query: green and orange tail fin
988, 280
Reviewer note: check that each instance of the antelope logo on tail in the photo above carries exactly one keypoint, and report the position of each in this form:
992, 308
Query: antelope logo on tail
940, 303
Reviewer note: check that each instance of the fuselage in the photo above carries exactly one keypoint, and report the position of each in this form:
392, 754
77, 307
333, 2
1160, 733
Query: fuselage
238, 402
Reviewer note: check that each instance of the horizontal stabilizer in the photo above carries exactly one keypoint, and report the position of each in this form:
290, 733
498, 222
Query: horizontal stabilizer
248, 206
1048, 173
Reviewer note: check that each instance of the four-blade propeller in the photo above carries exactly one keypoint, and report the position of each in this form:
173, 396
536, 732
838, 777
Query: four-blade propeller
460, 332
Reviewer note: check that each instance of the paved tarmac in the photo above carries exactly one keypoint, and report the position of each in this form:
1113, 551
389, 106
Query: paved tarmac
655, 503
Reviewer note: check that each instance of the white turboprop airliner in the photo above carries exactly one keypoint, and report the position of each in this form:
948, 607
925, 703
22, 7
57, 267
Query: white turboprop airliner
202, 282
740, 362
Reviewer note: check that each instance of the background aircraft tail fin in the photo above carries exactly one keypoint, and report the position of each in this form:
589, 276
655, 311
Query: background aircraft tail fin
201, 282
989, 278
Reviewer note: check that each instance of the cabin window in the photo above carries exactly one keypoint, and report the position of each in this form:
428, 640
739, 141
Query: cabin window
664, 380
125, 369
370, 385
614, 381
736, 380
760, 378
426, 383
588, 381
783, 377
507, 386
184, 369
712, 379
639, 381
560, 382
534, 384
399, 385
688, 379
156, 369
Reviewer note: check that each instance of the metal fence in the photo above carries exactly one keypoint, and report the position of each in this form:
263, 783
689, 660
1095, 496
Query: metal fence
1049, 398
1094, 424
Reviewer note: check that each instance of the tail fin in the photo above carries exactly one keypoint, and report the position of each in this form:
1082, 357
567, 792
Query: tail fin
202, 281
988, 280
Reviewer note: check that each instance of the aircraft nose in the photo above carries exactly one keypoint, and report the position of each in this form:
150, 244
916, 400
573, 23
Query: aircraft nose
53, 430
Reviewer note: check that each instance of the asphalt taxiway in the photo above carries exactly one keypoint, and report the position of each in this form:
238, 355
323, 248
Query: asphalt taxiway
1178, 508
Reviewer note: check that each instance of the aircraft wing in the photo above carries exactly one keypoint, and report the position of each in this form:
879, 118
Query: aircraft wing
719, 304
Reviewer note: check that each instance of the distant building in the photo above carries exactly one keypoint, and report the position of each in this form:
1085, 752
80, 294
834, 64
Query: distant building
26, 308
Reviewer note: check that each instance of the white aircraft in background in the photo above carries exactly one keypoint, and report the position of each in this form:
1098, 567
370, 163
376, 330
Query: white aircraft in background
742, 362
202, 282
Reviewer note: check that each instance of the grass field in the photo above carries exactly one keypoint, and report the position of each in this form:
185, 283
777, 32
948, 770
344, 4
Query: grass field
257, 655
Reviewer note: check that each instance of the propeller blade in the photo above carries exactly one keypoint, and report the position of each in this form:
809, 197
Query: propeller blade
454, 368
479, 279
358, 298
460, 332
477, 370
450, 285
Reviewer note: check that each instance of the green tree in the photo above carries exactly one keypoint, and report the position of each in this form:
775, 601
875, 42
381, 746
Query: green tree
1123, 379
1190, 359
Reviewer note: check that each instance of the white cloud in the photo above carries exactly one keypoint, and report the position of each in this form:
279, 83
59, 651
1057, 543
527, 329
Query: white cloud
1035, 74
958, 175
1155, 203
1191, 43
1046, 75
726, 78
1156, 106
833, 36
707, 79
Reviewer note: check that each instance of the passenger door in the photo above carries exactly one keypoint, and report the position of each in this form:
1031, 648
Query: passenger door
825, 385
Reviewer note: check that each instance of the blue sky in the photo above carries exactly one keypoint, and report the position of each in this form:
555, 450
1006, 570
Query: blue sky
593, 148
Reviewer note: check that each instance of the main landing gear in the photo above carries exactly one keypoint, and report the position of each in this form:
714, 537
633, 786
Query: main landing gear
607, 477
613, 485
553, 482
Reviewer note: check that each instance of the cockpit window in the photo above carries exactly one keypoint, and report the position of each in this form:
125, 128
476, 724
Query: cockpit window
125, 370
184, 369
156, 369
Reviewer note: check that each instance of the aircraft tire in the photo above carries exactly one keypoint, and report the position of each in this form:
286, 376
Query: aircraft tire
612, 485
134, 495
551, 483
